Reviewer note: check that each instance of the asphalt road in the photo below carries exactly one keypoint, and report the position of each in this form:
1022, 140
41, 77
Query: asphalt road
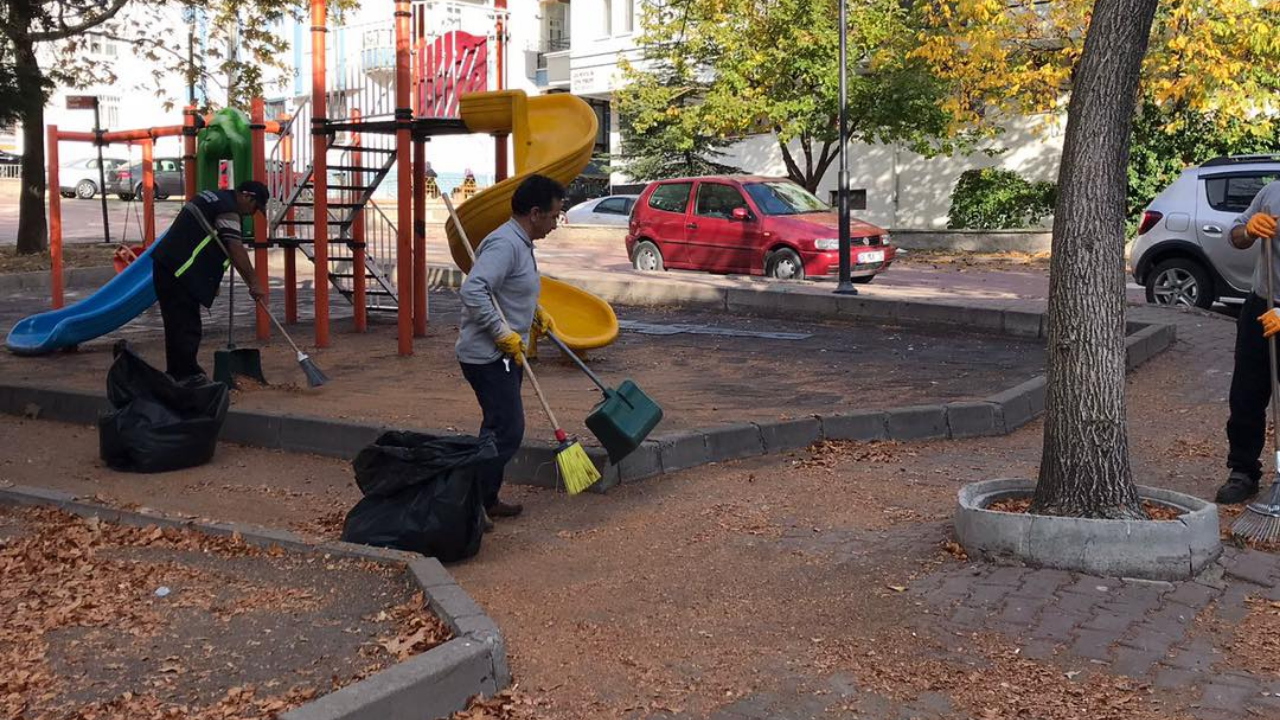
82, 219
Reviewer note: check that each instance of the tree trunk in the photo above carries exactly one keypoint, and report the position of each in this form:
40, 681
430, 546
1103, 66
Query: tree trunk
1085, 471
32, 228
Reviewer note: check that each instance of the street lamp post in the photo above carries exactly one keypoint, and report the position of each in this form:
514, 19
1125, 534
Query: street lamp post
845, 285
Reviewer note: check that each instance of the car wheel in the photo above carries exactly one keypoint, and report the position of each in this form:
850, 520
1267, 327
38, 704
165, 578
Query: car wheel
1180, 281
864, 280
85, 189
67, 195
125, 196
647, 258
785, 265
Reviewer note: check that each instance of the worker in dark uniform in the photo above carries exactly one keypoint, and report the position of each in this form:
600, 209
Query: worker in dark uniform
188, 267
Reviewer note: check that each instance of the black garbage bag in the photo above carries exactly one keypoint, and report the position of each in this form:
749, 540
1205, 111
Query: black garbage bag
158, 424
422, 494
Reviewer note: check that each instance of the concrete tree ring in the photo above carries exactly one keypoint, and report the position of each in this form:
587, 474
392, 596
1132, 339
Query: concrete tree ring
1147, 549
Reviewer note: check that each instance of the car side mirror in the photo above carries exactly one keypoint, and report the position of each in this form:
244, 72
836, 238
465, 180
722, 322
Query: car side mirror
741, 214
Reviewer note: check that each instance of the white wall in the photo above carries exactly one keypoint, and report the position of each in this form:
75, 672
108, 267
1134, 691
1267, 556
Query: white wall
909, 191
603, 32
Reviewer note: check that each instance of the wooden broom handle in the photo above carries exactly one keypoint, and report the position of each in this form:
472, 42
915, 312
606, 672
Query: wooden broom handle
533, 378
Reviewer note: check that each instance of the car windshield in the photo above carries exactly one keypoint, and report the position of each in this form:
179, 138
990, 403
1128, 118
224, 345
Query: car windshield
784, 198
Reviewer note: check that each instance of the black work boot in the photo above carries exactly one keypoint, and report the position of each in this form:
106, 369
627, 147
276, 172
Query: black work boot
1239, 488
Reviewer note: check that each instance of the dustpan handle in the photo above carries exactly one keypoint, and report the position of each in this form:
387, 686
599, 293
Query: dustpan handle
577, 360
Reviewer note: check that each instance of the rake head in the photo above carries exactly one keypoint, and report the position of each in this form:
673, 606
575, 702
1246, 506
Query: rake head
1260, 521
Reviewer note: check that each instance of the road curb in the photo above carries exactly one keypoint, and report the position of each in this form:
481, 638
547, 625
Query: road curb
436, 683
39, 281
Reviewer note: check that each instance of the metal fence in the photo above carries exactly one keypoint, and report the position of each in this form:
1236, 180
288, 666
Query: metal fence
10, 172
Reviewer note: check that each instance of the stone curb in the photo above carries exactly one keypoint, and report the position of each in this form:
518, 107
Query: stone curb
534, 464
436, 683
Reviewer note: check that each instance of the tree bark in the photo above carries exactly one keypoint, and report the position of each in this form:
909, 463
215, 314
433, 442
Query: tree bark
32, 227
1085, 471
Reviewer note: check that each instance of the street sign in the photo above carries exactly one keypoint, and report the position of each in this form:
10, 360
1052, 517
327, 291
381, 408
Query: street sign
81, 102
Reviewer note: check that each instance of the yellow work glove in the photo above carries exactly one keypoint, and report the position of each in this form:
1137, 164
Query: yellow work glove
542, 322
1261, 225
1270, 322
511, 344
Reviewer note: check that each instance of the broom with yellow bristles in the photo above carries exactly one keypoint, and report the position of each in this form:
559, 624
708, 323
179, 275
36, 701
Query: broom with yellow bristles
576, 469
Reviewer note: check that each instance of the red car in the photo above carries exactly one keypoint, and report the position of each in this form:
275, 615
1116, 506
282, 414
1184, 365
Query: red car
748, 225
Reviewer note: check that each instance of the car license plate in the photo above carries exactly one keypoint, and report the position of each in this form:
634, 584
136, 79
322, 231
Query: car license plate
871, 257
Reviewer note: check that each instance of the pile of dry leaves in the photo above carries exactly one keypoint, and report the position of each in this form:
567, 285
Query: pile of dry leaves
66, 576
829, 454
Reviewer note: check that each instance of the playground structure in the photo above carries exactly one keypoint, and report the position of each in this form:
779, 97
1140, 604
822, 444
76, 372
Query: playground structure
322, 190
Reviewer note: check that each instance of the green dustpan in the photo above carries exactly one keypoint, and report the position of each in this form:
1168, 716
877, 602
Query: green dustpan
624, 418
232, 361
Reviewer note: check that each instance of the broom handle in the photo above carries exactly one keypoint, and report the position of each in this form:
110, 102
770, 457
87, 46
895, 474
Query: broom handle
1267, 253
533, 378
214, 234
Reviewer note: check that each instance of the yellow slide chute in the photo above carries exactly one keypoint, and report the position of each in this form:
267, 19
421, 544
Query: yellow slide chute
552, 135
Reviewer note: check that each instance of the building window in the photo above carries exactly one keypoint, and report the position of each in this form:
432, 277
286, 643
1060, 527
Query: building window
628, 16
604, 119
102, 46
608, 18
109, 110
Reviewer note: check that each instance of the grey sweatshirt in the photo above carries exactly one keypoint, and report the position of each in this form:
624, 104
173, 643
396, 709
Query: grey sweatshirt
506, 270
1267, 200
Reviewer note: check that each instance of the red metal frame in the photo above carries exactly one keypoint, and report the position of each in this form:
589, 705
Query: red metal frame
357, 236
320, 171
290, 252
257, 125
55, 218
500, 139
456, 63
404, 181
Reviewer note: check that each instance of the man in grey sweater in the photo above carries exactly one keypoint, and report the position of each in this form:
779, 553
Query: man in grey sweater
490, 350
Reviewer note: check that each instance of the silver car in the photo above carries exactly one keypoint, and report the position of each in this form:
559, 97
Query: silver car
610, 210
1183, 255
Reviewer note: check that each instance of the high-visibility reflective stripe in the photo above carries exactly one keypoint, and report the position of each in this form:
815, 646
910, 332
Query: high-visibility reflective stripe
187, 265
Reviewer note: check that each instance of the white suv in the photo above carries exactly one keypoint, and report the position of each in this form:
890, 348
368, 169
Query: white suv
1183, 255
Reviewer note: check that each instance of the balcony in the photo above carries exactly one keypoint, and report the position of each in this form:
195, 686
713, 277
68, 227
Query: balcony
552, 70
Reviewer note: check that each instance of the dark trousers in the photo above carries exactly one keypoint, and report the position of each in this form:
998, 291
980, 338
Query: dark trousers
1250, 391
182, 328
497, 389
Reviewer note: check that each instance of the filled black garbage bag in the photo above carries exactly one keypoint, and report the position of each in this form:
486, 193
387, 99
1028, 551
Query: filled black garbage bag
158, 424
422, 494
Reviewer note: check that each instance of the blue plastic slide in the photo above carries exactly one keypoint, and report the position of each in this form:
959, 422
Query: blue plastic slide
114, 304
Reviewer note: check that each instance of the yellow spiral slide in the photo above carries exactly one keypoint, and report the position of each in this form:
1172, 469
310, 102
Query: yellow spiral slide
552, 135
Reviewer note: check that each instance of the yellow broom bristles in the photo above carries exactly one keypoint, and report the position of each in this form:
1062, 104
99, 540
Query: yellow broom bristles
576, 469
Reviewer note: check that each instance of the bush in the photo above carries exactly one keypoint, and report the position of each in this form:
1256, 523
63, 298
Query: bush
994, 199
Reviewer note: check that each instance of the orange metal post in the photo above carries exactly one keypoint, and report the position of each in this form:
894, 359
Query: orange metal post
189, 152
320, 179
500, 139
148, 195
404, 176
357, 237
420, 237
290, 251
55, 219
257, 118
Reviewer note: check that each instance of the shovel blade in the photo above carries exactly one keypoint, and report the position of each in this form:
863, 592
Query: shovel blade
241, 362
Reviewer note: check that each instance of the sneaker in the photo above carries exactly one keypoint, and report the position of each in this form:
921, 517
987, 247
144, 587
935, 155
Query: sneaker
485, 523
504, 510
1239, 488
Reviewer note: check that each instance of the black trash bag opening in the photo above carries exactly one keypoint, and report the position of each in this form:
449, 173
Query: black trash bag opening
422, 494
158, 424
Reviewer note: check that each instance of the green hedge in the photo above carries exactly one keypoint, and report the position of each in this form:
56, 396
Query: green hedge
994, 199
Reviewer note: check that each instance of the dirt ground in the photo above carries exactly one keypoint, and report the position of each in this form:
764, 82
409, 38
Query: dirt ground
701, 380
777, 577
72, 256
106, 621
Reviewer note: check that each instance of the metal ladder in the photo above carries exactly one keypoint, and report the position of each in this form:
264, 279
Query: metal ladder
380, 288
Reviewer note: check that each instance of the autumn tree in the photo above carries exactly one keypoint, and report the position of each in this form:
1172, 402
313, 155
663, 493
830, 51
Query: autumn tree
42, 45
1216, 59
751, 67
